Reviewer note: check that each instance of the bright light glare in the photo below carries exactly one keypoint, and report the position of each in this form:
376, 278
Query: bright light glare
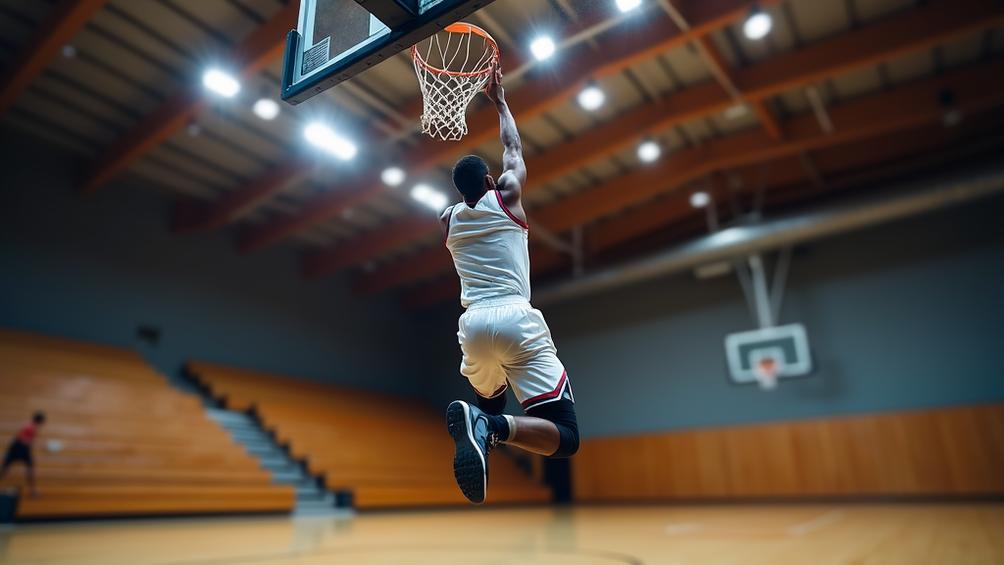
649, 151
392, 176
221, 83
429, 196
542, 48
591, 98
266, 109
323, 137
627, 5
757, 25
735, 112
700, 199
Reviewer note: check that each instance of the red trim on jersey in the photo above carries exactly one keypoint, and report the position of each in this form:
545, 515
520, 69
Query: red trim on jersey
512, 216
27, 434
548, 395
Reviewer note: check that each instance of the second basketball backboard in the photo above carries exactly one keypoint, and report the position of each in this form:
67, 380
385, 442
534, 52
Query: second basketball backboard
337, 39
785, 348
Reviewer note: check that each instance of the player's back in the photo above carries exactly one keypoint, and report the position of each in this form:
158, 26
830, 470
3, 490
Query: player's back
489, 248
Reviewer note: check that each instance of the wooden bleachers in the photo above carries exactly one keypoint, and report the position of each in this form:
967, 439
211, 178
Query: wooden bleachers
390, 452
130, 443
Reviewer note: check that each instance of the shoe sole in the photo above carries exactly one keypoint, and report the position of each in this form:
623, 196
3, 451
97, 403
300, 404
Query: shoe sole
469, 467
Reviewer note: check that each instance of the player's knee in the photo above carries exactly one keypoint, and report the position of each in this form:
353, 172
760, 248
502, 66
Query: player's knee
569, 442
562, 415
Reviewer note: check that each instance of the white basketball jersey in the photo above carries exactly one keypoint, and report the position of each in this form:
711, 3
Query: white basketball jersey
489, 248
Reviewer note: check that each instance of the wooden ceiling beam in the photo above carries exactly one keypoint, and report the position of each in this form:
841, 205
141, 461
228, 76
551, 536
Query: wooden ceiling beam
722, 72
785, 172
258, 50
776, 75
58, 29
865, 118
929, 25
534, 98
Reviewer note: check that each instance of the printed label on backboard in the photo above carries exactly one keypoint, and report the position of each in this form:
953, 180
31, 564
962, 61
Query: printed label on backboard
316, 56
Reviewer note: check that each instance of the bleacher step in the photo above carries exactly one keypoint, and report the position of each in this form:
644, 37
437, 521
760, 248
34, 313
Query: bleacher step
311, 499
264, 450
314, 507
276, 462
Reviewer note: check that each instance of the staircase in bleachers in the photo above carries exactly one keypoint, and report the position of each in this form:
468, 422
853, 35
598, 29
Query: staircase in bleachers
118, 439
387, 451
311, 498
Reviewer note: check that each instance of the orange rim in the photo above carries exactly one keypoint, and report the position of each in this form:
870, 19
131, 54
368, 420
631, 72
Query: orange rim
461, 27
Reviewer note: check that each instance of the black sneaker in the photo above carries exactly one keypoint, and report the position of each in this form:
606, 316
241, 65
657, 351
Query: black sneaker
469, 428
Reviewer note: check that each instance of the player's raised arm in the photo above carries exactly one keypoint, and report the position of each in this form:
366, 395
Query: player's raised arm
513, 169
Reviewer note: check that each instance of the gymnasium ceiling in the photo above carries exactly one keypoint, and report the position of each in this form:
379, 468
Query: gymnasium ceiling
839, 87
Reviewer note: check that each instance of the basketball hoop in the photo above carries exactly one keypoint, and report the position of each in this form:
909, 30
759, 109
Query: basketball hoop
452, 68
766, 373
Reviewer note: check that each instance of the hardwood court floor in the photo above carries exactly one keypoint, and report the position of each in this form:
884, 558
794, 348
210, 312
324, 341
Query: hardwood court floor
749, 534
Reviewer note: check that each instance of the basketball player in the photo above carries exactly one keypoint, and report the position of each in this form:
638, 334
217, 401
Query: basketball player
19, 450
505, 341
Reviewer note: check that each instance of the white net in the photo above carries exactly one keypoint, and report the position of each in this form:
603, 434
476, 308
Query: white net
452, 67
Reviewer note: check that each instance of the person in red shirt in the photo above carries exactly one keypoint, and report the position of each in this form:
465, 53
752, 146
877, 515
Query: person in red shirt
20, 450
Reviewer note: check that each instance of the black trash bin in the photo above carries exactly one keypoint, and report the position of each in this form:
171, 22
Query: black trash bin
8, 506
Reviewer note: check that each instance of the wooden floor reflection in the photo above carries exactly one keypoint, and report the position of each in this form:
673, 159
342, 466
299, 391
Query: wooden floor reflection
748, 534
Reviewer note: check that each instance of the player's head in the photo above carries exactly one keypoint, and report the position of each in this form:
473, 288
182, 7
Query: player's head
38, 418
470, 176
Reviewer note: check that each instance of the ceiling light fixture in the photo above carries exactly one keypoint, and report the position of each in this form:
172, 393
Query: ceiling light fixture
592, 97
221, 83
326, 139
392, 176
543, 48
649, 151
758, 24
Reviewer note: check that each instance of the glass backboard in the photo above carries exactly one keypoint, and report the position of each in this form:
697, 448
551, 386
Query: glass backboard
337, 39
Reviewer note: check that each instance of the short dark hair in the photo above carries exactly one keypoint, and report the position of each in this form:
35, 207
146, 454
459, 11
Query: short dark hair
39, 417
469, 177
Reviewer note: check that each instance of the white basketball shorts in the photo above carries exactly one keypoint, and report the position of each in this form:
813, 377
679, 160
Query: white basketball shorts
506, 342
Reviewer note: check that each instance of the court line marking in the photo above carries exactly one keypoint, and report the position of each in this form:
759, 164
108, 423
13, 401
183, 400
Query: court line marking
819, 522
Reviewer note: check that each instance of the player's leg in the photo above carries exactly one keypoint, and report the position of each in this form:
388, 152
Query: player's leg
535, 435
471, 428
494, 404
8, 458
29, 471
541, 383
550, 430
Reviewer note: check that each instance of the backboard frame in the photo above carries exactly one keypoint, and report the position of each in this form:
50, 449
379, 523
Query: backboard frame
405, 28
802, 365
